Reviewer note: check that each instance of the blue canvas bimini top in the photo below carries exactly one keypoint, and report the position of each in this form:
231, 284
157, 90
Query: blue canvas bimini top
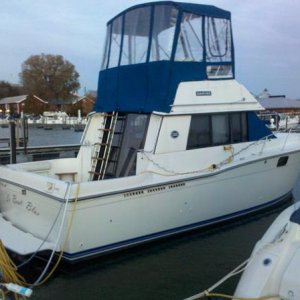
151, 48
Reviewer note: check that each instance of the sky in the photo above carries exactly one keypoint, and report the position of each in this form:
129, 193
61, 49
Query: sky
266, 38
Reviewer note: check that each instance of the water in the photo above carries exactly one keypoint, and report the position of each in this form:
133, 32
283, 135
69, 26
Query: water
42, 137
173, 268
170, 269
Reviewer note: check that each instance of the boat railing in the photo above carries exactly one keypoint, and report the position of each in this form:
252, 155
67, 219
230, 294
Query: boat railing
288, 133
286, 138
261, 146
163, 171
263, 141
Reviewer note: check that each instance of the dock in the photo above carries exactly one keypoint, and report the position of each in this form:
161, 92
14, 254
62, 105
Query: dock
35, 153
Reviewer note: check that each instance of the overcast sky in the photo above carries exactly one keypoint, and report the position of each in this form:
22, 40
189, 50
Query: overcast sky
266, 38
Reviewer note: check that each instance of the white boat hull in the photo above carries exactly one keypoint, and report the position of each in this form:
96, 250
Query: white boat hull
133, 211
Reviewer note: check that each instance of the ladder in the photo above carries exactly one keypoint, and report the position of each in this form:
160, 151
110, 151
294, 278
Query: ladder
114, 158
102, 147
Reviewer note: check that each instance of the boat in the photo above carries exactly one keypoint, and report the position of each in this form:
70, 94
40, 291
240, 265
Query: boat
271, 270
274, 264
280, 121
4, 121
174, 144
51, 119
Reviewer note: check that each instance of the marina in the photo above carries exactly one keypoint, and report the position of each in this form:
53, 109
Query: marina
158, 158
124, 180
161, 266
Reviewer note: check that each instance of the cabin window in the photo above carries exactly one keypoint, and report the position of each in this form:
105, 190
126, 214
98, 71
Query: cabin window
244, 127
220, 129
190, 42
199, 134
238, 126
217, 129
165, 18
136, 36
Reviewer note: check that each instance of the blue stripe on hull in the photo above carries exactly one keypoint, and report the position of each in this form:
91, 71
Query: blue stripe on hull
142, 239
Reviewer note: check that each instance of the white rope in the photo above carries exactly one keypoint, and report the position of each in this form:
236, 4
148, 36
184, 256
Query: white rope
240, 268
67, 198
43, 242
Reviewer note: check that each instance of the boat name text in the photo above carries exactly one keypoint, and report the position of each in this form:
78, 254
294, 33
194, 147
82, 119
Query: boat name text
203, 93
28, 205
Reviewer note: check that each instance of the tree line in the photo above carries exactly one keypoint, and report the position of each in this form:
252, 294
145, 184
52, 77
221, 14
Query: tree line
50, 77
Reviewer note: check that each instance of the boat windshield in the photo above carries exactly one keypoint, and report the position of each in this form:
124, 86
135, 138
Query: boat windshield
165, 33
151, 48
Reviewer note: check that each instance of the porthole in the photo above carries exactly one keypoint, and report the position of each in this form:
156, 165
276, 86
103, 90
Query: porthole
174, 134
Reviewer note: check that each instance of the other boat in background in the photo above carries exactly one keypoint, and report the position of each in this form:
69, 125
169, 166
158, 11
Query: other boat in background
273, 267
280, 121
50, 119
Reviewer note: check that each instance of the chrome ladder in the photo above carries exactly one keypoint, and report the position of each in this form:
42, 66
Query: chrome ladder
102, 148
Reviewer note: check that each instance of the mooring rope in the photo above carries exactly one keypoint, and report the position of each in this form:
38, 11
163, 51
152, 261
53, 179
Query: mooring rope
8, 269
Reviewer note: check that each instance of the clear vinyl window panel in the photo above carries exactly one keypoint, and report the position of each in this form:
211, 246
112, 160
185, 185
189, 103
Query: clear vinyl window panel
115, 42
219, 71
218, 40
165, 18
136, 36
106, 48
190, 41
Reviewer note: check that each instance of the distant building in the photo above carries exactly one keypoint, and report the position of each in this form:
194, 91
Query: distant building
30, 104
278, 103
59, 105
264, 94
85, 104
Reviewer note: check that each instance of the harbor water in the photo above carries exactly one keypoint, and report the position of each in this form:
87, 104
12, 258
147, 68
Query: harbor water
41, 137
164, 270
173, 268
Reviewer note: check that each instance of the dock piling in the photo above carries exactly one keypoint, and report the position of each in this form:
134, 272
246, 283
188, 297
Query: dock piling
13, 152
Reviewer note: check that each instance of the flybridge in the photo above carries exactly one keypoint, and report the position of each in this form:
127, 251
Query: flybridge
151, 48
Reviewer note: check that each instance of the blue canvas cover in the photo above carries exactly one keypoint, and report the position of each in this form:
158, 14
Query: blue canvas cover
145, 84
